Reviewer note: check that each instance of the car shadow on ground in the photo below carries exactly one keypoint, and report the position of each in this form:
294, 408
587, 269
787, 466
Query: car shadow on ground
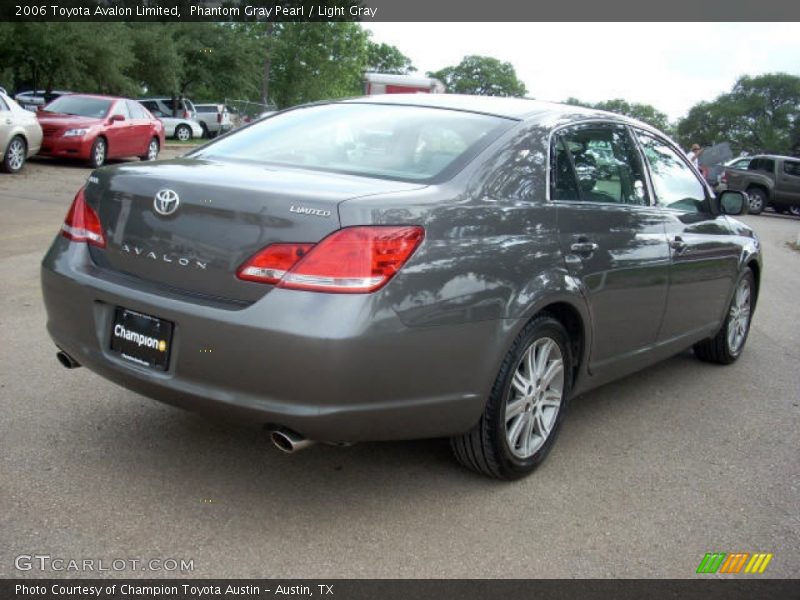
149, 441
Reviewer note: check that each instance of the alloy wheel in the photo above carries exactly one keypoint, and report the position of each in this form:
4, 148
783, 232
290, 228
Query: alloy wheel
756, 203
99, 152
534, 399
16, 154
152, 150
739, 317
184, 134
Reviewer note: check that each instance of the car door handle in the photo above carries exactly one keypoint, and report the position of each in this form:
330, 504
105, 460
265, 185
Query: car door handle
678, 245
583, 247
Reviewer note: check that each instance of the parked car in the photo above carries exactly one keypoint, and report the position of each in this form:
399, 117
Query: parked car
179, 123
214, 119
721, 183
768, 180
95, 128
20, 134
32, 100
400, 267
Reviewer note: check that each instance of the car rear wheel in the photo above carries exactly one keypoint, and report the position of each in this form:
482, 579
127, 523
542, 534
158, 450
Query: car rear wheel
152, 150
794, 210
757, 200
526, 405
97, 158
14, 157
725, 347
183, 133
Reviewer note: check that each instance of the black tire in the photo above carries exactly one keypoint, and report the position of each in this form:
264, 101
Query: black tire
794, 211
206, 132
183, 133
150, 152
718, 349
98, 154
757, 201
15, 154
485, 449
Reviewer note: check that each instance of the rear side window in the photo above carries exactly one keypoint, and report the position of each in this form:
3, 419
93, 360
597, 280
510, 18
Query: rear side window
674, 183
601, 162
408, 143
137, 110
766, 165
791, 167
206, 109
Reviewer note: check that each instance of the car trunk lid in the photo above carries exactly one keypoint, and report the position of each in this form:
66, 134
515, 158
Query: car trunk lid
211, 216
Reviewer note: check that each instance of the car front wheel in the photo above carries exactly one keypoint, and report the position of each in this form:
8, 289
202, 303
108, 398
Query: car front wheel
727, 345
794, 210
183, 133
526, 407
14, 157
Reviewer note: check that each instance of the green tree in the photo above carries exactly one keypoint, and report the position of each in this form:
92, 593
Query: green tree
636, 110
314, 61
385, 58
481, 76
760, 114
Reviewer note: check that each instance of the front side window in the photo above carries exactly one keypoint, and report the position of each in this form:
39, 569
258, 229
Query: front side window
601, 163
674, 183
121, 108
81, 106
409, 143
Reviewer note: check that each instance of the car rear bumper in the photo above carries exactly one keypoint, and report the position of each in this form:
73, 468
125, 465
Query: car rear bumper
332, 367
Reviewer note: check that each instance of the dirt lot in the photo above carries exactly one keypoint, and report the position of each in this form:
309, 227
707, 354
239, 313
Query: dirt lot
649, 473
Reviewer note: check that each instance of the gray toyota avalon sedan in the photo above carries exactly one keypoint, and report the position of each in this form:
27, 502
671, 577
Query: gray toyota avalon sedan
400, 267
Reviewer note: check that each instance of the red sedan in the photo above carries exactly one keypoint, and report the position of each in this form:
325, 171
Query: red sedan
96, 128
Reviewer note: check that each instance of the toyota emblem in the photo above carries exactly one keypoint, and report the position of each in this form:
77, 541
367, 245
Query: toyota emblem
166, 202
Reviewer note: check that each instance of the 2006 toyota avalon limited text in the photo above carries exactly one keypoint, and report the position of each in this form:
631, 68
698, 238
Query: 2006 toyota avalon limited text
403, 267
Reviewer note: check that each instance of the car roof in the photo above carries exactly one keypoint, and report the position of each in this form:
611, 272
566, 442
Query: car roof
782, 156
101, 96
522, 109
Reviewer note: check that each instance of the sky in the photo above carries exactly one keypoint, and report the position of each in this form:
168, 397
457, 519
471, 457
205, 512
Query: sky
669, 65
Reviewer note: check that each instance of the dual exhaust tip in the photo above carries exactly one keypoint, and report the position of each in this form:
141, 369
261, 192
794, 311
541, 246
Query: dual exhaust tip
283, 439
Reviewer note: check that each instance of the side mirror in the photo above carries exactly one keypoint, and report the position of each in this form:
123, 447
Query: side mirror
732, 202
116, 118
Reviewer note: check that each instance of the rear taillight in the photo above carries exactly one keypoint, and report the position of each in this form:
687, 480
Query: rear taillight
724, 177
351, 260
82, 223
219, 117
186, 115
269, 265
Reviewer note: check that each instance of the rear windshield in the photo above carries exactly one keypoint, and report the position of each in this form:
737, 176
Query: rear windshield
82, 106
408, 143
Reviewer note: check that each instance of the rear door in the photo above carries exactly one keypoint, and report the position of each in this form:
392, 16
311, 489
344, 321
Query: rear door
612, 238
6, 124
140, 124
704, 253
120, 134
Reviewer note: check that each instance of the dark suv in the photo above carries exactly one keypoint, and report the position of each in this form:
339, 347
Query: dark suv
403, 266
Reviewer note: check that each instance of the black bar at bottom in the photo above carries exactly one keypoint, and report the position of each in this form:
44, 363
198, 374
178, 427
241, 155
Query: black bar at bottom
399, 589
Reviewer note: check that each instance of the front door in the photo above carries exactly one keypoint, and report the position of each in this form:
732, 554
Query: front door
612, 238
705, 255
